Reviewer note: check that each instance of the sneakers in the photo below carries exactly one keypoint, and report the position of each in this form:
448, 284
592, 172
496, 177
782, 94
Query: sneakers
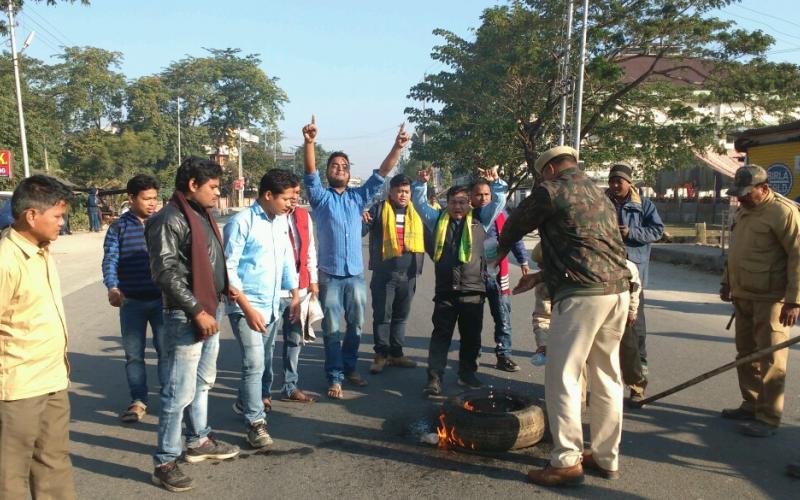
212, 449
433, 387
172, 478
401, 362
539, 358
257, 435
469, 379
378, 364
506, 364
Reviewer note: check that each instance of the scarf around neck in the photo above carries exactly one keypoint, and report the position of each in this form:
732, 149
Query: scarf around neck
413, 239
464, 246
202, 274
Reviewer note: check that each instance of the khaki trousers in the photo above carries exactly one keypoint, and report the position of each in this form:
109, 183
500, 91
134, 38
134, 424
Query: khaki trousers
761, 382
34, 448
585, 331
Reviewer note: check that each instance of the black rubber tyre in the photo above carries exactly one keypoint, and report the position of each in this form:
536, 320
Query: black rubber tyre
486, 431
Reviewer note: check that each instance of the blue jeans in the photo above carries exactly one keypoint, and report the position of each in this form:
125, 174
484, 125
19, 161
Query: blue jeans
292, 344
256, 348
134, 315
191, 369
94, 218
341, 296
500, 307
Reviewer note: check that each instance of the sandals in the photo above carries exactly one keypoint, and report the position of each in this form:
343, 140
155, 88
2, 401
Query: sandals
335, 391
135, 412
298, 396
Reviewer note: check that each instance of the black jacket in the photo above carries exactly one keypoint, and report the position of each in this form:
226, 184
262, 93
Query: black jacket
169, 243
375, 230
453, 276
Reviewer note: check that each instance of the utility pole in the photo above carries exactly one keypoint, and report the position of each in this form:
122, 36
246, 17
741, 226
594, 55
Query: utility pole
15, 59
566, 74
179, 130
576, 132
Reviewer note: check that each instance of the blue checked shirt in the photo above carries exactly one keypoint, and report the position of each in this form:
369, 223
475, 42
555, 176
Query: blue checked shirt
126, 264
259, 258
338, 220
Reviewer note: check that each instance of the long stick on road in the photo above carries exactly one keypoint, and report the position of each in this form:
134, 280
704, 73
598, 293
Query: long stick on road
733, 364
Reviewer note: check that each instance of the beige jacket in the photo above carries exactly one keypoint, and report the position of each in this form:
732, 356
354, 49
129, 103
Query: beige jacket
763, 263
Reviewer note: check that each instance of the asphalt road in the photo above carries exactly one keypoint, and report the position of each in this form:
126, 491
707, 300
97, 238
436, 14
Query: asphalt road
366, 446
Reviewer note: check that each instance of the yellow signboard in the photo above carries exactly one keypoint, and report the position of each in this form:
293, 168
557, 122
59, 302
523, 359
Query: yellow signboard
782, 163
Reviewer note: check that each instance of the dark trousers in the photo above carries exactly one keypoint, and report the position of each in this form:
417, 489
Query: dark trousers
466, 310
640, 327
392, 294
34, 448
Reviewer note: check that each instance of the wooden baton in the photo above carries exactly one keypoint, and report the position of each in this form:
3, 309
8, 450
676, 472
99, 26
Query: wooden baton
733, 364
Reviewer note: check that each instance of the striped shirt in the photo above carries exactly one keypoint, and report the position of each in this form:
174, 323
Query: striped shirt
399, 224
338, 220
125, 260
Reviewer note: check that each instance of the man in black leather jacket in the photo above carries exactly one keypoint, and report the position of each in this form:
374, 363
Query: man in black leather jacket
188, 264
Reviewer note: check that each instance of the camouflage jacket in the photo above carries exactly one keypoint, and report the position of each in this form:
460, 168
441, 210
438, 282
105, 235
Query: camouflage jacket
583, 252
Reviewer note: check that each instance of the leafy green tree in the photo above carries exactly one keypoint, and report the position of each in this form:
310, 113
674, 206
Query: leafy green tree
498, 102
225, 92
88, 90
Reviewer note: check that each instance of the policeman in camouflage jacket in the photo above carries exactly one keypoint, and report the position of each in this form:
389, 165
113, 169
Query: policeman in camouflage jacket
585, 272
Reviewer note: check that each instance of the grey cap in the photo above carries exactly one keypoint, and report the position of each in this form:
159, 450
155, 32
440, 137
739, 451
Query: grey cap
746, 178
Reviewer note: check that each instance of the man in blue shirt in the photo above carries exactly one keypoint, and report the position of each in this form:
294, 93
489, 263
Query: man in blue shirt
337, 213
126, 274
260, 262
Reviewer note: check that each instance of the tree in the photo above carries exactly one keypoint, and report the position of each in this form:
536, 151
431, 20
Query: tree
498, 103
225, 92
43, 128
88, 89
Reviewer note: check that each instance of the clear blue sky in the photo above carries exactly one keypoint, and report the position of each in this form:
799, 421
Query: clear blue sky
350, 62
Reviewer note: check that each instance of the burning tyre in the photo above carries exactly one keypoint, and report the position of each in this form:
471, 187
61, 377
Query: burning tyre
490, 419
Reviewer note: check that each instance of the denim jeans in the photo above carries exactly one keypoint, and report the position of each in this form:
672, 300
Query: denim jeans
392, 294
256, 348
134, 315
94, 219
341, 296
191, 370
500, 307
292, 344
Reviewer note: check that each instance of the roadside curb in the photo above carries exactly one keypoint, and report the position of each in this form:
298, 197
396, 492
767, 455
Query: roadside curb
702, 258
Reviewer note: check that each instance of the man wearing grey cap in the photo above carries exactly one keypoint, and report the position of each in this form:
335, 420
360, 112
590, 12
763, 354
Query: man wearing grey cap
586, 275
640, 226
762, 278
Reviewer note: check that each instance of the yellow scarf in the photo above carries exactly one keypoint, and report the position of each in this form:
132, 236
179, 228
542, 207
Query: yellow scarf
464, 246
413, 239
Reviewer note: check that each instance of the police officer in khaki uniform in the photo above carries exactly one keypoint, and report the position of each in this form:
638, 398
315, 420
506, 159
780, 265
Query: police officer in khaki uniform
761, 277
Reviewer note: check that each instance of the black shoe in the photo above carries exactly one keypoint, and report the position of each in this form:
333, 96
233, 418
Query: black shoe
737, 414
469, 379
213, 449
793, 469
172, 478
433, 387
506, 364
257, 435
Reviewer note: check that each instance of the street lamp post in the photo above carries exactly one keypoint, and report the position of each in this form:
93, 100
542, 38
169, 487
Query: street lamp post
576, 132
15, 59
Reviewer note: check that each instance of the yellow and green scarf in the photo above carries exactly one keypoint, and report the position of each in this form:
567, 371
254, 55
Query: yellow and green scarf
413, 237
464, 246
